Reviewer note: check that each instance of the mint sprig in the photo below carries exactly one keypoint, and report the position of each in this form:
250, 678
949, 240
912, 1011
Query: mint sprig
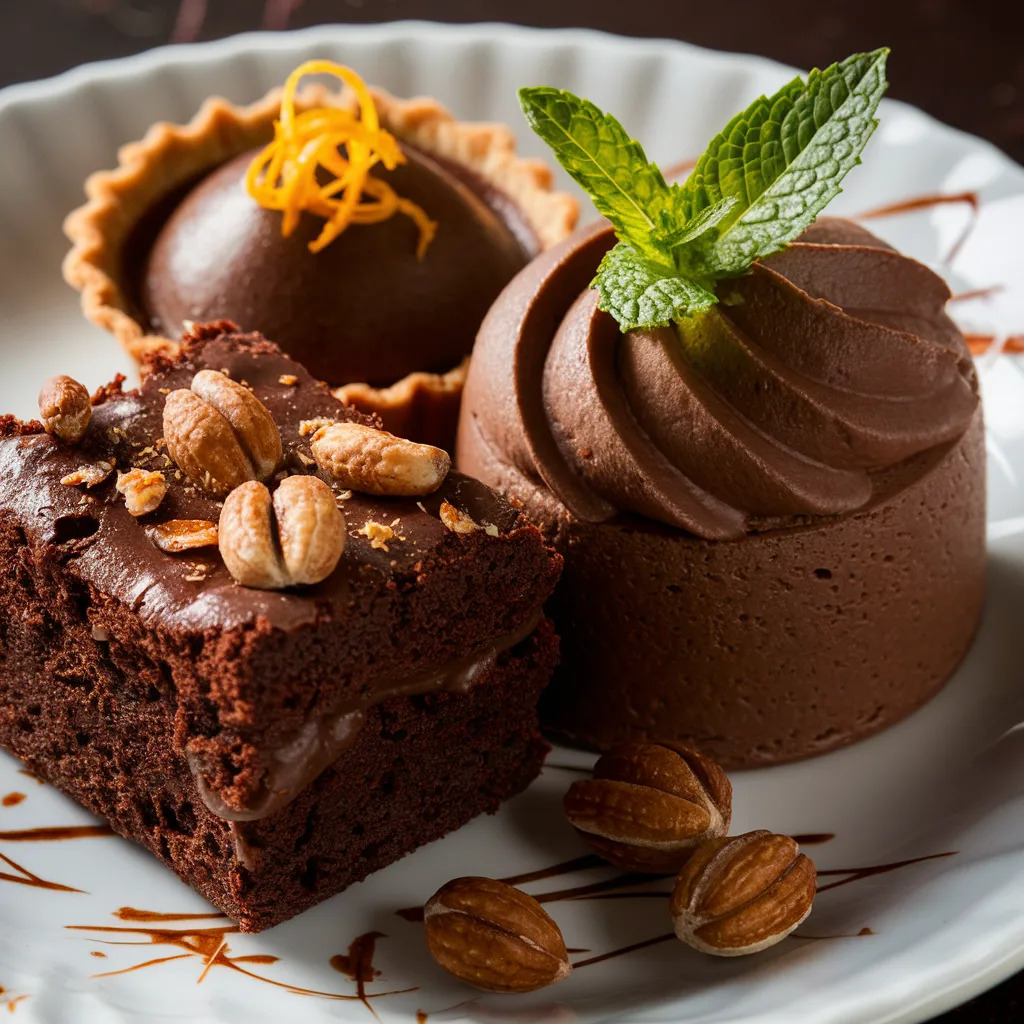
762, 181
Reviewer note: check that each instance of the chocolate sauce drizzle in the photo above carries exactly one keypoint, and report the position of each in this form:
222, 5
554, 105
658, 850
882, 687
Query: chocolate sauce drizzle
624, 886
10, 1000
928, 201
357, 964
12, 799
209, 945
36, 835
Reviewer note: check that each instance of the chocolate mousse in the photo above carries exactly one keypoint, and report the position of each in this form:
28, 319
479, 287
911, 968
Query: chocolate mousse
773, 526
368, 307
772, 507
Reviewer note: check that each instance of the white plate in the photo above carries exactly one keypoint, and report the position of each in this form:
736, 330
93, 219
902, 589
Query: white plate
951, 778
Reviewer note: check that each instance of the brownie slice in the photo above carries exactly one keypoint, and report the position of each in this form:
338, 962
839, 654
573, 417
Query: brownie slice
271, 747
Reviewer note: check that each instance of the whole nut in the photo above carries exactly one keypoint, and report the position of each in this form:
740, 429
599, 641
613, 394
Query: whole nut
220, 434
376, 462
64, 408
743, 894
143, 490
296, 537
649, 804
494, 937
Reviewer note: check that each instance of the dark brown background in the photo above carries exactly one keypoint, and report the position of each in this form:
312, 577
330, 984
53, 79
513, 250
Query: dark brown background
961, 61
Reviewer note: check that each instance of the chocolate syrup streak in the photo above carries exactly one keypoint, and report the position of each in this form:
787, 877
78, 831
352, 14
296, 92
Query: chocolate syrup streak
25, 877
12, 799
857, 874
813, 838
981, 343
210, 946
10, 1000
822, 938
58, 833
357, 964
37, 835
928, 201
621, 885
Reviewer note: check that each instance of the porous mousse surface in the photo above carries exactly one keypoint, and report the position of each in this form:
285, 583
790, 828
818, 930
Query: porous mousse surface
271, 747
772, 517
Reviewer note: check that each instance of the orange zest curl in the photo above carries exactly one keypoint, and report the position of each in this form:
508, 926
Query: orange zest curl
284, 176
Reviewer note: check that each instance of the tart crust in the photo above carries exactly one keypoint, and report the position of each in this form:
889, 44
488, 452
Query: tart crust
170, 155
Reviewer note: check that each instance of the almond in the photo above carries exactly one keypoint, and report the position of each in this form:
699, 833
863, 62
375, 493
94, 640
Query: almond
649, 804
494, 937
742, 894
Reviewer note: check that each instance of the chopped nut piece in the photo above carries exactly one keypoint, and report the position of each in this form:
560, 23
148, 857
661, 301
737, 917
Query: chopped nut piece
456, 520
220, 434
89, 475
289, 380
741, 895
649, 804
494, 937
491, 530
378, 534
183, 534
64, 408
307, 427
303, 546
376, 462
143, 490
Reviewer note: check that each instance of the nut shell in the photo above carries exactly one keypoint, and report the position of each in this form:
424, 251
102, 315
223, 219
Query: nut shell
742, 894
494, 937
649, 804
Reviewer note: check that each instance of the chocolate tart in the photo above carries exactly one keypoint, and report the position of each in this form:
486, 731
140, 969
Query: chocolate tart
269, 746
773, 520
171, 236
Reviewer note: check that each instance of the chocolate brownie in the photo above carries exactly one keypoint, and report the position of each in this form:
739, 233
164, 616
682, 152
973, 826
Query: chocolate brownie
270, 746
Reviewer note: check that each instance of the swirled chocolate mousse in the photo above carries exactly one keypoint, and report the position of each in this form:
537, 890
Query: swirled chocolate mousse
276, 664
367, 235
771, 509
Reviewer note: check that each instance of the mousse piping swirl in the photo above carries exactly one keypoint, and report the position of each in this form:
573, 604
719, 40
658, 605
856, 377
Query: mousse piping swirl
829, 362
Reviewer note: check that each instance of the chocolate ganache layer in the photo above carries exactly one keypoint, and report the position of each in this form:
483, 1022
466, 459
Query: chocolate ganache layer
772, 517
365, 308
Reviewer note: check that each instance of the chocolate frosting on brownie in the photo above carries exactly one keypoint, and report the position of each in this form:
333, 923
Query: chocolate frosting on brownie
365, 308
828, 362
377, 628
120, 560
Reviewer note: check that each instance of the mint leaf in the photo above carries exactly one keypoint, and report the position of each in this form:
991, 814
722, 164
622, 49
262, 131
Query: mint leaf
675, 230
641, 292
607, 163
782, 160
760, 184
